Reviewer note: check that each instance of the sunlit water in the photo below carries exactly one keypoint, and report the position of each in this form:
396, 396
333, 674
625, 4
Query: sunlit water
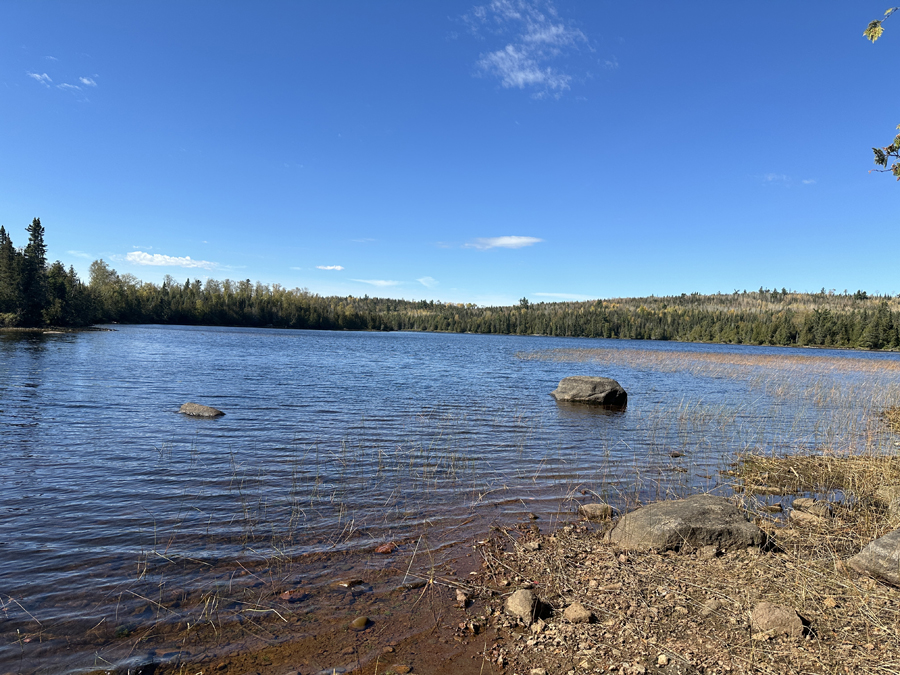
339, 441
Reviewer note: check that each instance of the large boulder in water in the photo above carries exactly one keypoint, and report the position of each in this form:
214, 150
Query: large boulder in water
595, 390
197, 410
701, 520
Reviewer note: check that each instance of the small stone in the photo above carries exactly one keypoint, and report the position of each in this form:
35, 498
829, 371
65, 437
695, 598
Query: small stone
532, 545
804, 518
387, 650
710, 607
521, 605
538, 626
461, 597
386, 548
821, 509
360, 623
577, 613
708, 552
773, 508
598, 511
767, 616
533, 516
400, 669
803, 503
538, 671
292, 596
662, 660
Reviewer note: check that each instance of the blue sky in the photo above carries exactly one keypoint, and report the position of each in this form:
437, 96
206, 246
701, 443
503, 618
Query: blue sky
456, 151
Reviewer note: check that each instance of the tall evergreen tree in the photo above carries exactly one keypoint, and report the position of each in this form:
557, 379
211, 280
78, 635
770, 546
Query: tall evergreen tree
9, 279
34, 276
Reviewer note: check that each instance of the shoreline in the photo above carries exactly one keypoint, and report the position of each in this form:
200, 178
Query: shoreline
651, 611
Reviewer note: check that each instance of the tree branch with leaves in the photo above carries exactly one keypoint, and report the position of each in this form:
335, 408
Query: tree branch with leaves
884, 155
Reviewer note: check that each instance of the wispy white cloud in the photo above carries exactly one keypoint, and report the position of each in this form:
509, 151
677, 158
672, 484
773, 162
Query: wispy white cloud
70, 87
329, 267
484, 243
565, 296
776, 178
535, 35
43, 78
378, 282
80, 254
428, 282
157, 259
809, 181
51, 58
87, 81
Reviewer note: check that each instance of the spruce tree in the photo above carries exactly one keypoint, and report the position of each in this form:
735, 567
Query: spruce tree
9, 279
34, 276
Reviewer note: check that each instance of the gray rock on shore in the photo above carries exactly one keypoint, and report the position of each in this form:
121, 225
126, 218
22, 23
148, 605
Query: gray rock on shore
522, 605
197, 410
698, 521
594, 390
880, 559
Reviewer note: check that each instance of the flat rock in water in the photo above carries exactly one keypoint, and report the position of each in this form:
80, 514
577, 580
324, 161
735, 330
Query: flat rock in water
595, 390
880, 559
698, 521
197, 410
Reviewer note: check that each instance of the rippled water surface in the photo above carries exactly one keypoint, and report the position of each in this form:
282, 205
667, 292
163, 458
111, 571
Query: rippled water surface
340, 441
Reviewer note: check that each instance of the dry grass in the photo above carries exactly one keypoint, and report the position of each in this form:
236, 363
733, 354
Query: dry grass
891, 417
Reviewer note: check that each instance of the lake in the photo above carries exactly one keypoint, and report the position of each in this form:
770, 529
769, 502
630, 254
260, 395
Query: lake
118, 515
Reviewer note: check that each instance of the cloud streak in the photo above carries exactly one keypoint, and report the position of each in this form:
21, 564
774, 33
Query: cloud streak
337, 268
428, 282
87, 81
159, 260
510, 241
43, 78
535, 36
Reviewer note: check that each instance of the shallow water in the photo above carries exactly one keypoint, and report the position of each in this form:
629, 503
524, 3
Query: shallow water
336, 441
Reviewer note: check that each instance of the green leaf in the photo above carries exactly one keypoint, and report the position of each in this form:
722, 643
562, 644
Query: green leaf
880, 158
874, 31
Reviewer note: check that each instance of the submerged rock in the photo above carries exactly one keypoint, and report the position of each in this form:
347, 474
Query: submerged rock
197, 410
595, 390
698, 521
880, 559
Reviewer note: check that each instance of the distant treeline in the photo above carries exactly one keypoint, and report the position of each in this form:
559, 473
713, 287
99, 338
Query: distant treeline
33, 293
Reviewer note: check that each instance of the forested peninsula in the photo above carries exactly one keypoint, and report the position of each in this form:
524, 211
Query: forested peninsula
35, 294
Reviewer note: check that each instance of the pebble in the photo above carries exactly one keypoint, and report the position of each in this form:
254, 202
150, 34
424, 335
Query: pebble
359, 623
662, 660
